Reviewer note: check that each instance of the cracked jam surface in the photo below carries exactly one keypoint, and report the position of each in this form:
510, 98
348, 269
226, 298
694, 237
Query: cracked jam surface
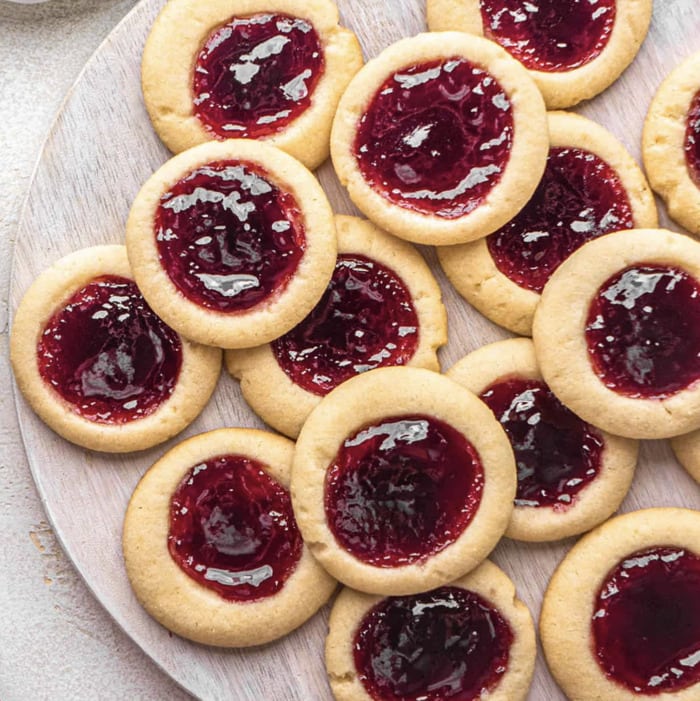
232, 528
449, 643
579, 198
436, 137
556, 453
228, 237
643, 331
646, 625
549, 35
365, 319
108, 355
402, 490
254, 75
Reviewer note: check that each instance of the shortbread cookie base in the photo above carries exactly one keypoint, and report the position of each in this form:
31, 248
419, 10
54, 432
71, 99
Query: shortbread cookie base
197, 379
562, 353
180, 603
686, 448
471, 268
367, 399
562, 89
513, 358
171, 50
522, 172
272, 317
282, 403
568, 607
663, 140
489, 582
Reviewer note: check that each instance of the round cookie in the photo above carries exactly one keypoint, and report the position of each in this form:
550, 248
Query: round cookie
475, 634
671, 143
441, 138
267, 69
591, 186
686, 448
571, 476
617, 333
621, 618
402, 481
383, 307
573, 50
232, 243
97, 365
210, 544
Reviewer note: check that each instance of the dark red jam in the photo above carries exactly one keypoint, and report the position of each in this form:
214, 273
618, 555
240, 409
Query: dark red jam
643, 331
228, 237
448, 643
646, 625
365, 320
256, 74
108, 355
402, 490
692, 140
556, 453
579, 198
436, 137
550, 35
232, 528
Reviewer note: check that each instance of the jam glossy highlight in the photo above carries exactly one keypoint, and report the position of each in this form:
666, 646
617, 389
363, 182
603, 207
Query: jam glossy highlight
365, 319
449, 643
646, 621
691, 145
256, 74
643, 331
436, 137
580, 197
556, 453
232, 529
108, 355
402, 490
228, 237
550, 35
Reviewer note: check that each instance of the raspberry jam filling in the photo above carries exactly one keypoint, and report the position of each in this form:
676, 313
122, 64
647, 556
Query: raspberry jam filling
556, 453
228, 237
256, 74
692, 140
108, 355
643, 331
402, 490
579, 198
365, 320
232, 529
436, 137
646, 625
448, 643
549, 35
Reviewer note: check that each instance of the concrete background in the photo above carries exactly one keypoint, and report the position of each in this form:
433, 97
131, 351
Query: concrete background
56, 641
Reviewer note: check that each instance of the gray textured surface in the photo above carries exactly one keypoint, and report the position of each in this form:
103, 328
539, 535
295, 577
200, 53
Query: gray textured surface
56, 642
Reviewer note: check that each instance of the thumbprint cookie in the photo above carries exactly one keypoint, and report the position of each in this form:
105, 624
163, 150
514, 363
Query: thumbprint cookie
211, 545
252, 69
95, 362
402, 481
232, 243
573, 49
571, 475
382, 307
440, 139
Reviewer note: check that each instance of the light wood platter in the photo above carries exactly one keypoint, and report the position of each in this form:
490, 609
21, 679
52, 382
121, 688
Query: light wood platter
99, 152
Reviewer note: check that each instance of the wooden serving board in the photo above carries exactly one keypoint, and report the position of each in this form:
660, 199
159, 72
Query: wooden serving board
99, 152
